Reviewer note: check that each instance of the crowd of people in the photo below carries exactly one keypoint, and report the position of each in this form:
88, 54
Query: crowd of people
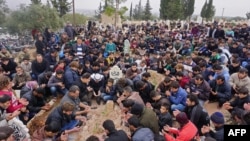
200, 64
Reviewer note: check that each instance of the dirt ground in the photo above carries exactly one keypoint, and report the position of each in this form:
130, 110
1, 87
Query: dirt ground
96, 118
109, 111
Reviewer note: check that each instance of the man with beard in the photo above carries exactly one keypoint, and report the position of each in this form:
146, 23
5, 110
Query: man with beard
48, 132
199, 87
112, 133
36, 101
132, 72
164, 86
158, 101
73, 97
239, 79
138, 132
64, 117
86, 91
195, 112
144, 90
20, 78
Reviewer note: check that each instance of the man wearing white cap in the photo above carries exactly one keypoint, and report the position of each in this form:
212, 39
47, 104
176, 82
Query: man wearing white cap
96, 82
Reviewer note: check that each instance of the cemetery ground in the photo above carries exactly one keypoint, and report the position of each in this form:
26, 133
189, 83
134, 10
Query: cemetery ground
109, 111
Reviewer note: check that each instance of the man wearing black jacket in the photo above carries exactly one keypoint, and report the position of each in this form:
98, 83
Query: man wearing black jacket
85, 90
36, 102
195, 112
40, 46
112, 133
9, 67
40, 65
220, 33
158, 101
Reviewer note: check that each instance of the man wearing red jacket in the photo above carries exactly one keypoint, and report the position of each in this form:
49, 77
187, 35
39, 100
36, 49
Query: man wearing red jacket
186, 132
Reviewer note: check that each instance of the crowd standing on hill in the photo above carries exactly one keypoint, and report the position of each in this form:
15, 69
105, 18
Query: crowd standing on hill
200, 64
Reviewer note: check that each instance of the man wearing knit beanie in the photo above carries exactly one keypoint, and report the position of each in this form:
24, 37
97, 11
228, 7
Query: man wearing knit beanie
218, 121
217, 118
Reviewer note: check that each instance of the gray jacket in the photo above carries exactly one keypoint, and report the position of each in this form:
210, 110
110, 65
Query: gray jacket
143, 134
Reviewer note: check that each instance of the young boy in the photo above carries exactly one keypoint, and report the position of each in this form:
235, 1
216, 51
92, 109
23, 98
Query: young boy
165, 117
108, 92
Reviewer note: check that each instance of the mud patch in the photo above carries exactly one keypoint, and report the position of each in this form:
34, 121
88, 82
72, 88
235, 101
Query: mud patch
97, 117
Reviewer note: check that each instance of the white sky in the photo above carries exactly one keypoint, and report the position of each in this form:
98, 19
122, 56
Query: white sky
231, 7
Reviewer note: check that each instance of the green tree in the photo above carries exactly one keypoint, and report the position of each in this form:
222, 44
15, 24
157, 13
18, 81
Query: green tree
99, 12
188, 8
36, 2
174, 10
3, 11
40, 16
80, 19
135, 13
112, 3
109, 10
131, 11
163, 9
204, 10
138, 11
147, 11
210, 10
171, 9
111, 7
62, 6
122, 11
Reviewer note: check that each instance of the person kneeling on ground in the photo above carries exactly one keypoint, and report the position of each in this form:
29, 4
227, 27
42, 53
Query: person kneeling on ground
187, 130
112, 133
49, 131
65, 118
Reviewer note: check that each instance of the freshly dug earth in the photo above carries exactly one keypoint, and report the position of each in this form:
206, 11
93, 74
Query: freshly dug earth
109, 111
39, 120
155, 78
96, 116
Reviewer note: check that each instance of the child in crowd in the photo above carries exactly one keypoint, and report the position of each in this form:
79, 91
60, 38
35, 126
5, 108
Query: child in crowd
165, 117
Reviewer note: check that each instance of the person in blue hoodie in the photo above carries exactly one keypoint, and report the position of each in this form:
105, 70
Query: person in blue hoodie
177, 96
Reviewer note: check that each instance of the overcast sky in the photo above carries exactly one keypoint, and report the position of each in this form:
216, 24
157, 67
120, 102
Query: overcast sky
231, 7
